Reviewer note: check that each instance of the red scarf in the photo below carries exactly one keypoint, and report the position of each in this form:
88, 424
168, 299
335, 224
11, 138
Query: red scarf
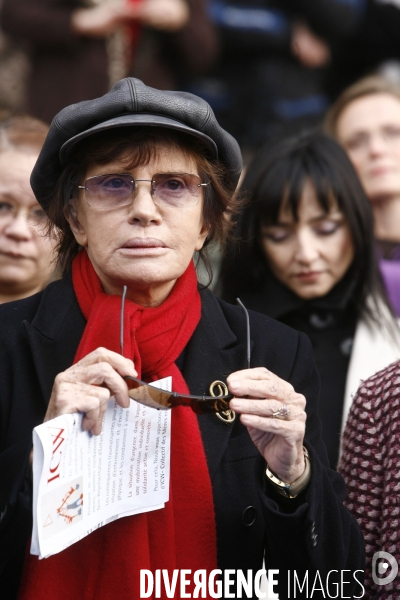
106, 564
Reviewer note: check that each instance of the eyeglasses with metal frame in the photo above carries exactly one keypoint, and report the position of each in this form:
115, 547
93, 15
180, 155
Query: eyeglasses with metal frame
153, 397
115, 190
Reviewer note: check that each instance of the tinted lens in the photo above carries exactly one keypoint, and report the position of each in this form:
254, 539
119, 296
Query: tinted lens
107, 191
147, 394
176, 189
151, 396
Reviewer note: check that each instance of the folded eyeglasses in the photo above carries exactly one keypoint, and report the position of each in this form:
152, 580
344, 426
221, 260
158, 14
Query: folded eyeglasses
149, 395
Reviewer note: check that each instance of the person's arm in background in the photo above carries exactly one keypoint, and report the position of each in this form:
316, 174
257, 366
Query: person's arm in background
318, 28
58, 25
311, 50
185, 30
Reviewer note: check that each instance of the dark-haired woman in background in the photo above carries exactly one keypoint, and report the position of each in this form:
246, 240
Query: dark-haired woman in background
307, 258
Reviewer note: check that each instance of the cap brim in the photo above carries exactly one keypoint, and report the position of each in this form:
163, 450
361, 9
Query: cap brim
138, 119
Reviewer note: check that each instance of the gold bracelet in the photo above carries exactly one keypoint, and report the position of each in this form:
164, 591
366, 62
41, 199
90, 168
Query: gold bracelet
291, 490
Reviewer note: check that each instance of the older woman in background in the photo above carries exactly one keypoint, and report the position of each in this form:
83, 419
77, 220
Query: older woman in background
137, 181
26, 252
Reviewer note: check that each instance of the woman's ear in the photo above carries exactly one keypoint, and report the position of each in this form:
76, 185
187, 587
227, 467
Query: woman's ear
71, 214
203, 233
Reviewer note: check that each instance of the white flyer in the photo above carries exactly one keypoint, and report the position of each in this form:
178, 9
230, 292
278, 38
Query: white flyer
82, 482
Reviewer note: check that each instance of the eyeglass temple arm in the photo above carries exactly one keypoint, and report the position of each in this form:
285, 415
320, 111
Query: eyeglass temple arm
240, 303
121, 321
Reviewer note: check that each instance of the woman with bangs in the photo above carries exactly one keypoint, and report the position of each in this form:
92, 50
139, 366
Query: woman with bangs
307, 258
137, 183
127, 150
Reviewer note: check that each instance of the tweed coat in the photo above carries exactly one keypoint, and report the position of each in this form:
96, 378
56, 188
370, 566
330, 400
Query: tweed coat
38, 339
370, 464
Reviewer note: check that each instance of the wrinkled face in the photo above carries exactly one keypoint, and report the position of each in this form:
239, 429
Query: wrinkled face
369, 130
312, 255
26, 253
144, 246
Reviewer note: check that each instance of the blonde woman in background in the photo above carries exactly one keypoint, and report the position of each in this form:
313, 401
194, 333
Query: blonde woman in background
365, 119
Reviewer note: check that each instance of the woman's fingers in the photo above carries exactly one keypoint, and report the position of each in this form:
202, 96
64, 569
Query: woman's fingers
275, 417
267, 399
272, 425
268, 408
168, 15
101, 21
70, 397
263, 393
99, 374
259, 414
87, 386
123, 366
106, 368
258, 383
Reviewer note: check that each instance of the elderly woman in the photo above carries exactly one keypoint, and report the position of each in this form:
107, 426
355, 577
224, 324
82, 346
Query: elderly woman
26, 253
138, 181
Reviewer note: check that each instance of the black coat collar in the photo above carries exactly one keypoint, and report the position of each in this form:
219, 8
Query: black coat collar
54, 333
276, 300
213, 353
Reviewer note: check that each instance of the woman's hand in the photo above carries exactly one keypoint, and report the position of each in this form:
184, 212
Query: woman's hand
88, 385
101, 21
280, 441
310, 50
166, 15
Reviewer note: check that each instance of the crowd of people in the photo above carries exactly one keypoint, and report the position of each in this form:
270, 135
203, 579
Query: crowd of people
125, 171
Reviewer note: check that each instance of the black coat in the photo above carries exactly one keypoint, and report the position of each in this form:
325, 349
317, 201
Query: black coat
39, 337
330, 323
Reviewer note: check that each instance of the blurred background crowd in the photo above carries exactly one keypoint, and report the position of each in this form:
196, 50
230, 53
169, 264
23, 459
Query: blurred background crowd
265, 66
273, 71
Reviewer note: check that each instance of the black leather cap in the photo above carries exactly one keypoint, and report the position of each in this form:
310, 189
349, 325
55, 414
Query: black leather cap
130, 103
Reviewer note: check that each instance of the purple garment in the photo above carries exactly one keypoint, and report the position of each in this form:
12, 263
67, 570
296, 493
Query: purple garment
390, 271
